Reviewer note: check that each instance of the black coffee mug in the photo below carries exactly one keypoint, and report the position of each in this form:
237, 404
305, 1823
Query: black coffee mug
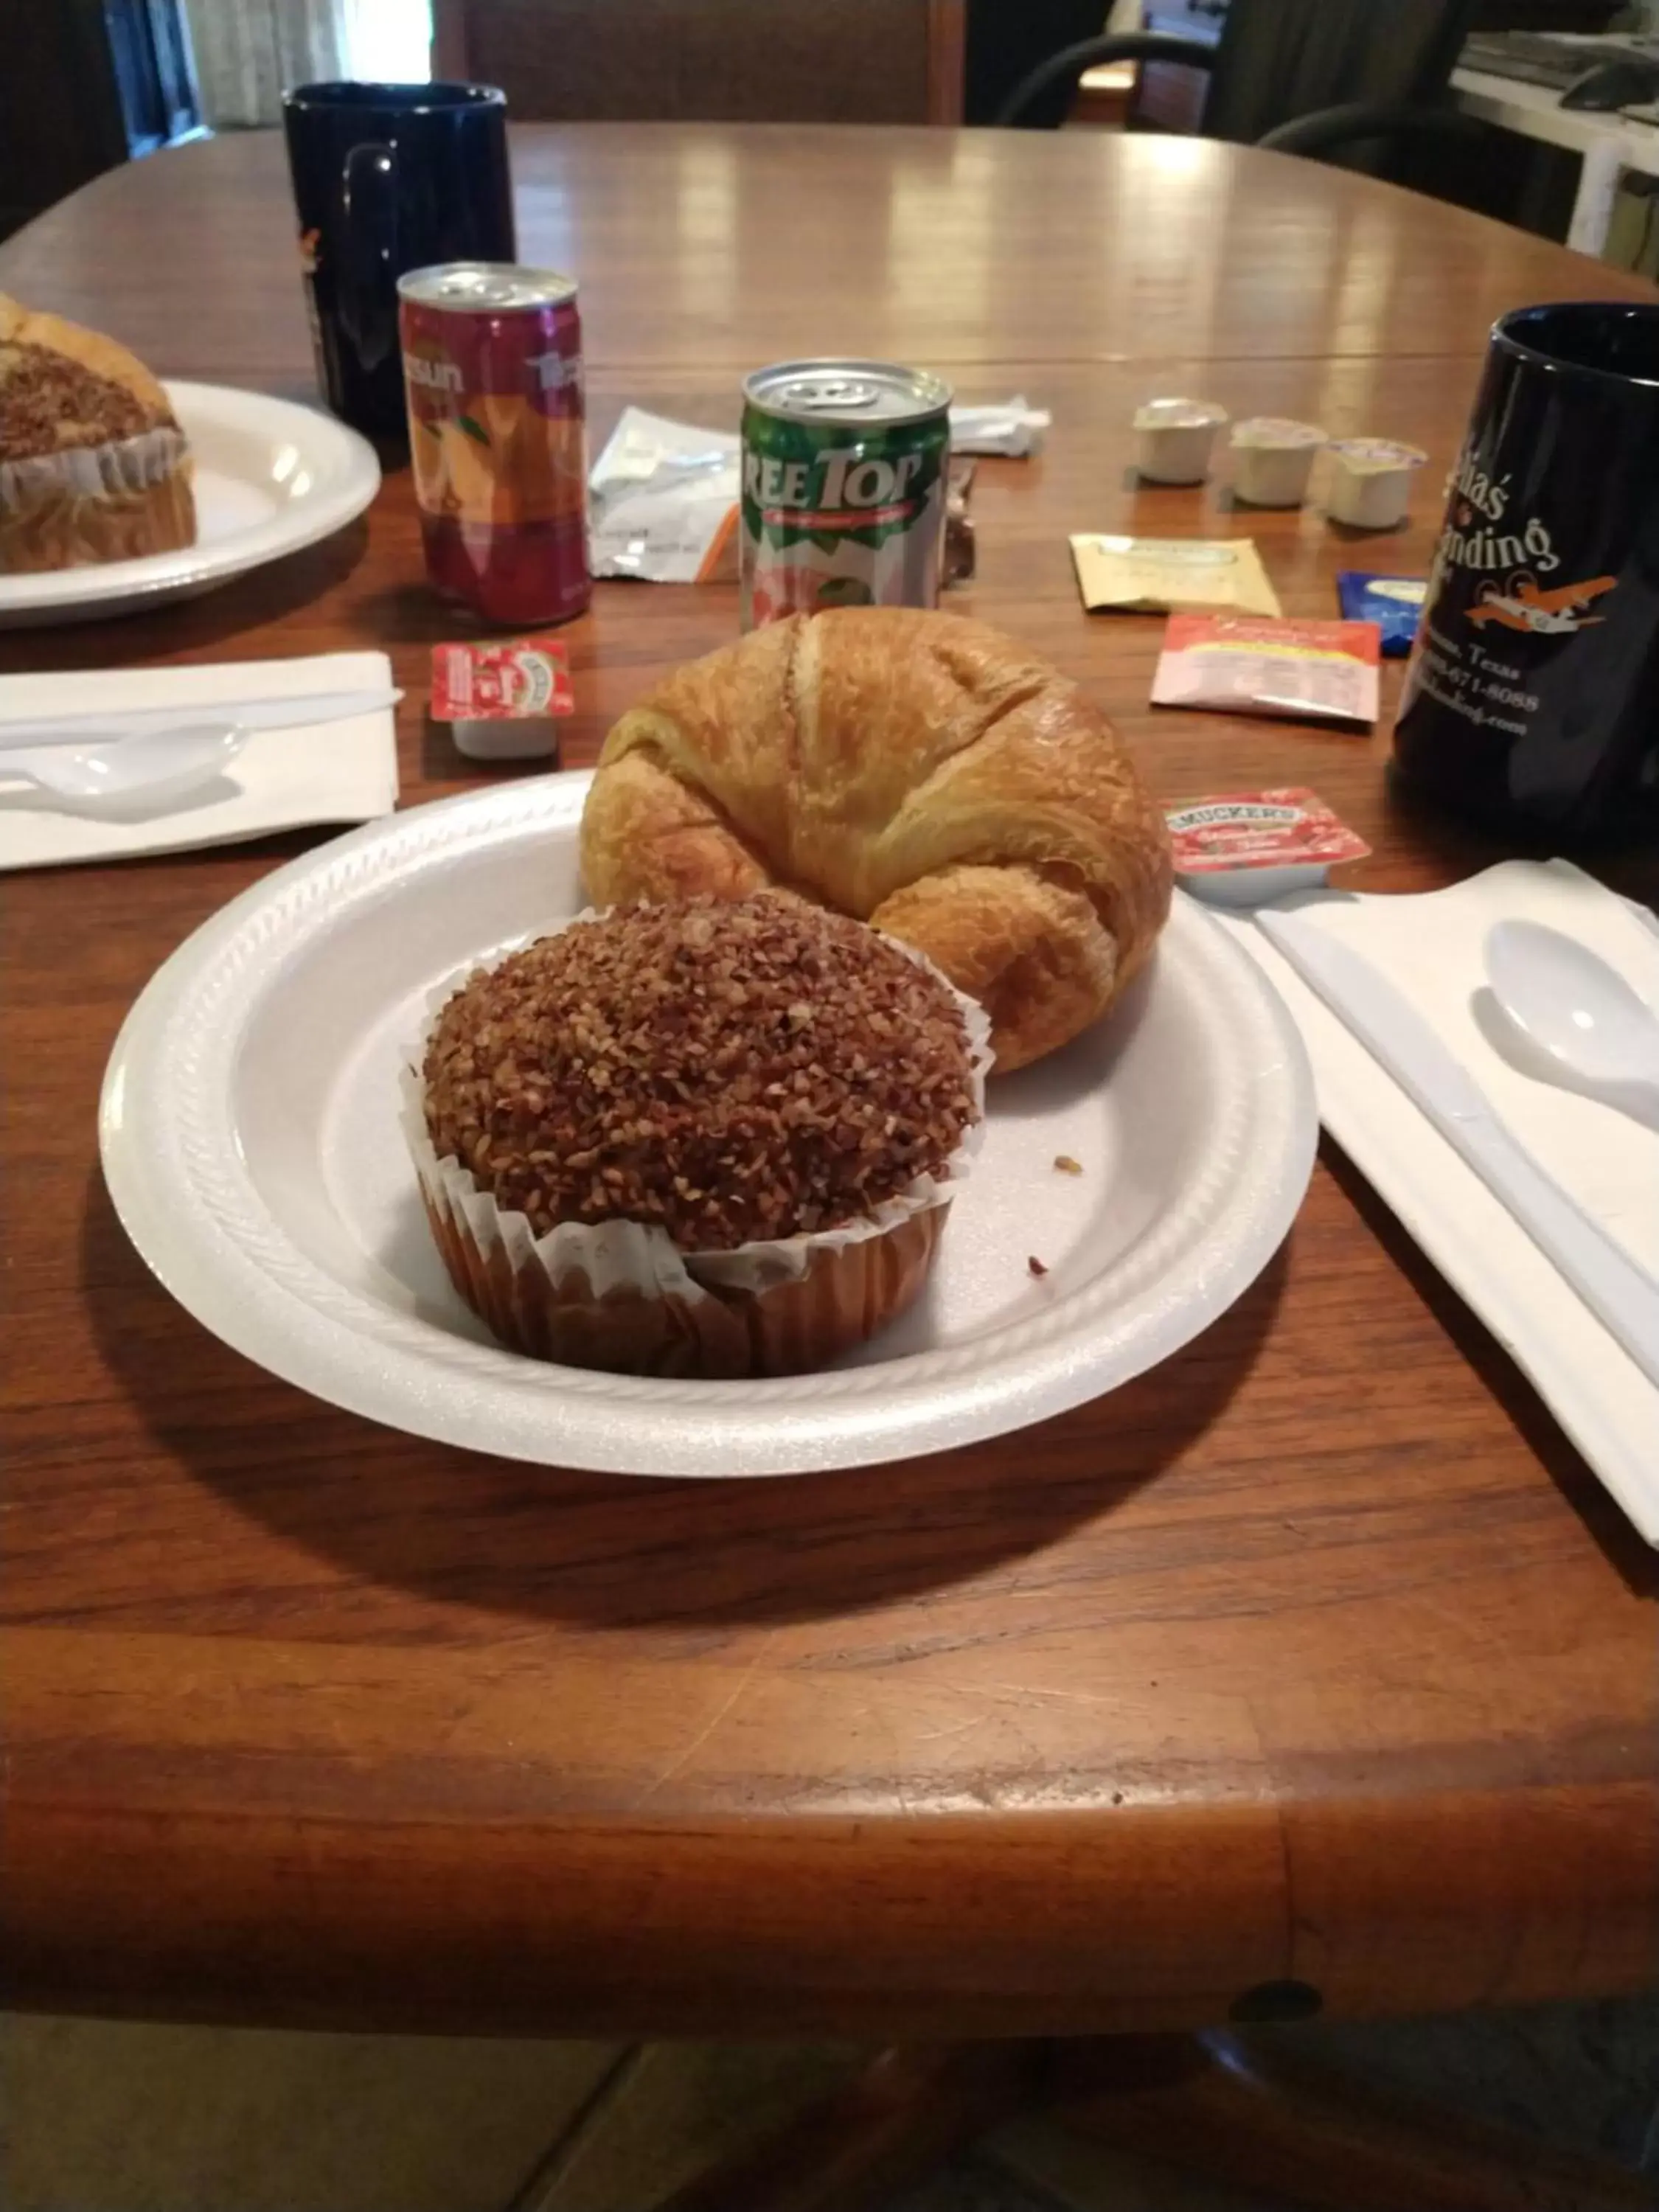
1532, 701
389, 177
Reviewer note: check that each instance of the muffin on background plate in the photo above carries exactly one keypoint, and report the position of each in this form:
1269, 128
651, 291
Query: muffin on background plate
93, 466
709, 1137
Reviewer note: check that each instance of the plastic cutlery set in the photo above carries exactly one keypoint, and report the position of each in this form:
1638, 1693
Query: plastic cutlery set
155, 758
1484, 1055
1605, 1039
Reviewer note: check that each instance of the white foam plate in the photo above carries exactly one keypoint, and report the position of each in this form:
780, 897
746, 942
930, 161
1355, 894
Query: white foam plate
270, 479
250, 1139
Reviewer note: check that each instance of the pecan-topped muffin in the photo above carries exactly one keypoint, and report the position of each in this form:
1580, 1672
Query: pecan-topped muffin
93, 466
711, 1137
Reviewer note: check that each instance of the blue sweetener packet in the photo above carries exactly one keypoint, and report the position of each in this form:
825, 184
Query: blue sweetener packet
1393, 603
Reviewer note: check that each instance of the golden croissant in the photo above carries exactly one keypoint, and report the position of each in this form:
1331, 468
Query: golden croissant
922, 772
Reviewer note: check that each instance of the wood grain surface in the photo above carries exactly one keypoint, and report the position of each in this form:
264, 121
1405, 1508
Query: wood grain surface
1315, 1655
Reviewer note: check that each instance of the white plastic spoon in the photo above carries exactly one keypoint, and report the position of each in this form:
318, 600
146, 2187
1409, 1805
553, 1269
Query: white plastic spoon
151, 768
1593, 1032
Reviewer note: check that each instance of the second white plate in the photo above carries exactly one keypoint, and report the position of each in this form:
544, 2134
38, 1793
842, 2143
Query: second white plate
251, 1144
270, 478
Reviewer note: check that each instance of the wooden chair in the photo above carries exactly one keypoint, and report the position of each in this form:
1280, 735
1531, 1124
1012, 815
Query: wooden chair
720, 61
1210, 2104
1335, 79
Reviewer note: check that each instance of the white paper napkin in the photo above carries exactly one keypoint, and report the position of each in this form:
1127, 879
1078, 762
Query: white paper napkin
1013, 429
341, 771
1430, 946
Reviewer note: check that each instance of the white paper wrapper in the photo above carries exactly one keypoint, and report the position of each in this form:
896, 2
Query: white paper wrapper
663, 499
632, 1263
1013, 429
126, 497
119, 464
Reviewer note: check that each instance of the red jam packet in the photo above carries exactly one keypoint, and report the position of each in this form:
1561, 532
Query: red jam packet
1244, 664
1248, 846
525, 679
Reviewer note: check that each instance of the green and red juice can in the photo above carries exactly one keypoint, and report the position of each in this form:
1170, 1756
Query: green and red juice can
844, 470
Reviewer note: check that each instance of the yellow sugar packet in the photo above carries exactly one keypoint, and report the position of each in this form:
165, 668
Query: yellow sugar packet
1154, 574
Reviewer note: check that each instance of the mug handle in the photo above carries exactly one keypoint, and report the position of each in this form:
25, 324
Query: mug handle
369, 211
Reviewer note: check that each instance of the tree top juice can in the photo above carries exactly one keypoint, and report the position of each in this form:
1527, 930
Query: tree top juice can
493, 378
843, 487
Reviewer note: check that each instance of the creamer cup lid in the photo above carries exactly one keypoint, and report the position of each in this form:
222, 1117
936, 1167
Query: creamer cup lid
1277, 430
1179, 415
1367, 457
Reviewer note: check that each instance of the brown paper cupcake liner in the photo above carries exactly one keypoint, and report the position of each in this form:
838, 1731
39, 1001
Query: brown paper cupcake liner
845, 1294
116, 501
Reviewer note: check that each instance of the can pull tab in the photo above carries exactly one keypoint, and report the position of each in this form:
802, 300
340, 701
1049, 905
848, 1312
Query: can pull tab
836, 395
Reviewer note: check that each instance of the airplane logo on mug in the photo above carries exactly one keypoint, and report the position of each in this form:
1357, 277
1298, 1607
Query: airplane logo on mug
1524, 606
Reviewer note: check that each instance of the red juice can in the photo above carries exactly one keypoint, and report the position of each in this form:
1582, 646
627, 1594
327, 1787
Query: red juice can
493, 378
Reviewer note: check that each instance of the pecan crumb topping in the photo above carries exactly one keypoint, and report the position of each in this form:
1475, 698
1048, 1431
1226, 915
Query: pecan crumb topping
728, 1071
51, 404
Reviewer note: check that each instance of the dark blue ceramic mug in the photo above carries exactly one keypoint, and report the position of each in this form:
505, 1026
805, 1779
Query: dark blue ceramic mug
389, 177
1532, 701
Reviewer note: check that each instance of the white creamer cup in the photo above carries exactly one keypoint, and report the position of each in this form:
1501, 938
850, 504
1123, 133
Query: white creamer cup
1174, 439
1273, 459
1371, 482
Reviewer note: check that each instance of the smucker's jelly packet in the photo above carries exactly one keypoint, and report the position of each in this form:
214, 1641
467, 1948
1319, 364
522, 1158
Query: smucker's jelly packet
1395, 604
502, 697
1131, 575
1245, 847
1238, 664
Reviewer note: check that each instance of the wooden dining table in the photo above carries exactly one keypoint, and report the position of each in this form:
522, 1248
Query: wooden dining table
1312, 1669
